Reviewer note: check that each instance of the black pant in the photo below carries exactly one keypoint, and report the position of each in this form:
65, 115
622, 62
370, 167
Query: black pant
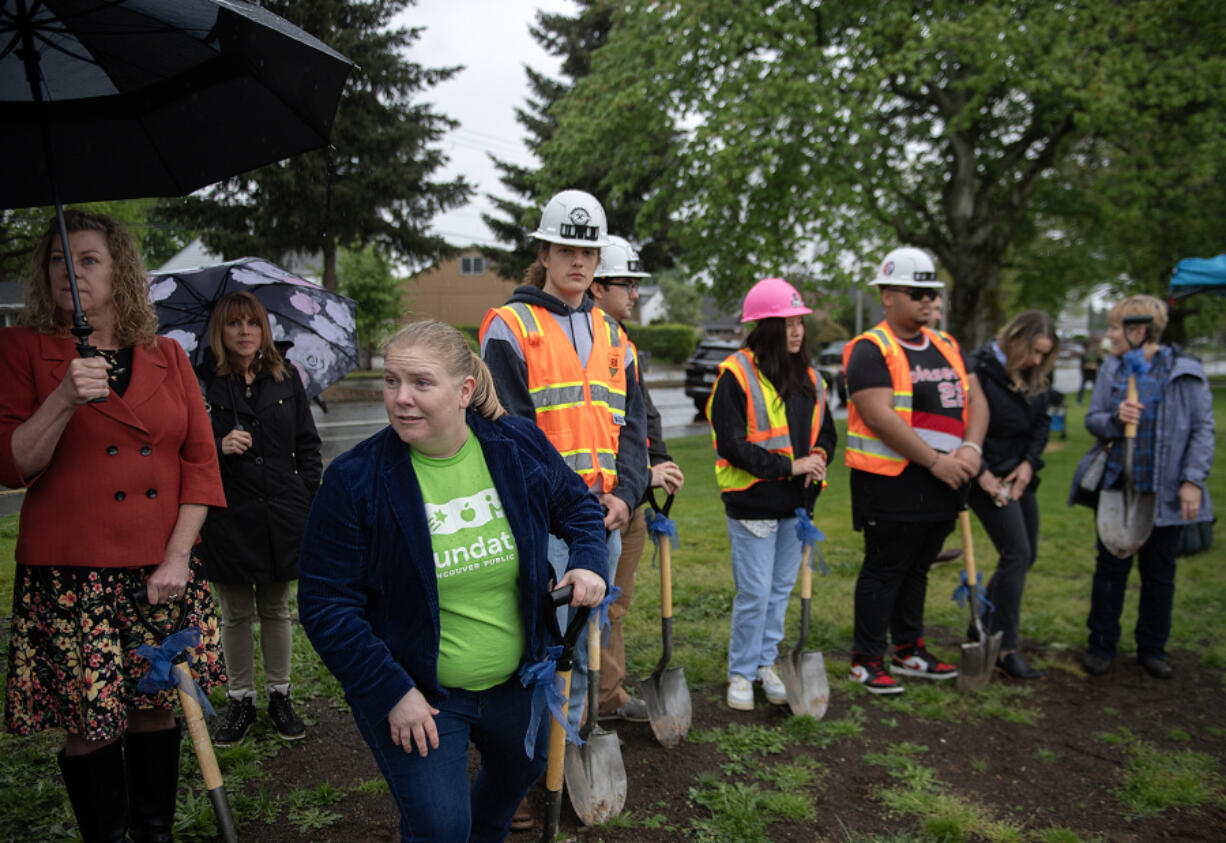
893, 582
1156, 562
1014, 530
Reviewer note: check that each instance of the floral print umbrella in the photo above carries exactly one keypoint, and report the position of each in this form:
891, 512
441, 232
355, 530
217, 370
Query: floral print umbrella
320, 324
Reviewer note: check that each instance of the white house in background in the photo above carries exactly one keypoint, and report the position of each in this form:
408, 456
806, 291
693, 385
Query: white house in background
650, 306
1086, 316
12, 300
196, 254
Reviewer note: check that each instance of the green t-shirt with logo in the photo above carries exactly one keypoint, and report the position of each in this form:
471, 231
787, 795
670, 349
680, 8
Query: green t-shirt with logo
477, 565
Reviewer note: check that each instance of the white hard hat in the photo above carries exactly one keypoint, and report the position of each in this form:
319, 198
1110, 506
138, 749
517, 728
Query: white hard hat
907, 267
619, 260
573, 218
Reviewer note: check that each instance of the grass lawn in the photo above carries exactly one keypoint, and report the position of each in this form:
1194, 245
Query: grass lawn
33, 806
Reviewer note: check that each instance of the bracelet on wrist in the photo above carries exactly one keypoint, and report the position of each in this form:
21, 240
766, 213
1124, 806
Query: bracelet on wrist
936, 458
972, 446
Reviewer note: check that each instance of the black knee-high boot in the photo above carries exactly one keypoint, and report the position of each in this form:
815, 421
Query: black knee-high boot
153, 783
98, 792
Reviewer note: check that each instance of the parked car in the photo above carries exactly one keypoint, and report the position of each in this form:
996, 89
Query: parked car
830, 366
702, 369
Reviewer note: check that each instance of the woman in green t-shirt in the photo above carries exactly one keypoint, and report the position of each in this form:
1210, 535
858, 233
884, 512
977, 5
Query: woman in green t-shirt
424, 586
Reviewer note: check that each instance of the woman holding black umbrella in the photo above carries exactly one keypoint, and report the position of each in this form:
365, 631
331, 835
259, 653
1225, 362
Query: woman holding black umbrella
115, 495
270, 465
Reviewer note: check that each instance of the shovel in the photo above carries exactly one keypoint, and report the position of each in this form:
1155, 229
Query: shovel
595, 774
194, 717
1125, 517
978, 657
557, 735
665, 692
804, 672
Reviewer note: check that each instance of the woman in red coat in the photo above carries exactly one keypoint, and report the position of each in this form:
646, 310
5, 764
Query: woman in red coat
115, 495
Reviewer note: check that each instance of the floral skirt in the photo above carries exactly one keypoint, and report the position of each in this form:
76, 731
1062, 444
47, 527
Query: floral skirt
72, 660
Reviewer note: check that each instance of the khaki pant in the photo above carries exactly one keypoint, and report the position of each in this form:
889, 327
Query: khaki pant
613, 656
239, 613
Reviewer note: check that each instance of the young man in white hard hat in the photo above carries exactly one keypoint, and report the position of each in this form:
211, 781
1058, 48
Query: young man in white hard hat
569, 367
915, 426
615, 290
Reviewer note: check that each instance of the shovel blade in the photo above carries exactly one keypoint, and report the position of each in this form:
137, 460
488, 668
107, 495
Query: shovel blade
804, 680
978, 660
596, 778
668, 706
1124, 525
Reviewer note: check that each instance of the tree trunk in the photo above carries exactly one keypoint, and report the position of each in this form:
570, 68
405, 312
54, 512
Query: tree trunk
974, 309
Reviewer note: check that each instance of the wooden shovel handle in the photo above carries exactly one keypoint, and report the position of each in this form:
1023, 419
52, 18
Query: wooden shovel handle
593, 641
196, 728
968, 547
806, 573
666, 578
557, 741
1130, 430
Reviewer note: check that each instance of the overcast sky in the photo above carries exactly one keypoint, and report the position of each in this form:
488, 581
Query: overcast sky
490, 38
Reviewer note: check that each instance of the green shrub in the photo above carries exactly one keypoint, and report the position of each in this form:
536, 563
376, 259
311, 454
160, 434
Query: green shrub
665, 343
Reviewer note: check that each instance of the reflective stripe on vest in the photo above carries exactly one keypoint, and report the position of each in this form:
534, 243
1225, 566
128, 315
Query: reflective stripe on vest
580, 409
766, 419
864, 450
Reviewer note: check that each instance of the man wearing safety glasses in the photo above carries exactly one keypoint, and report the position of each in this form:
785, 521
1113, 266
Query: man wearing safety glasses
915, 423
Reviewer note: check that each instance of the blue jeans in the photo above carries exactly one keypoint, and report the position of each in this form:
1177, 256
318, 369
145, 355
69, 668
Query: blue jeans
1156, 562
559, 555
764, 572
433, 793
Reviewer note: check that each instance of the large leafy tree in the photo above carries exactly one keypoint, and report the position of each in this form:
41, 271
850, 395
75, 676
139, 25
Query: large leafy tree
372, 185
821, 135
573, 38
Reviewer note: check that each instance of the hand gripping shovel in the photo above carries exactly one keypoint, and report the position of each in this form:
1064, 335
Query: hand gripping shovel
804, 671
595, 773
978, 657
194, 717
1125, 517
665, 692
557, 733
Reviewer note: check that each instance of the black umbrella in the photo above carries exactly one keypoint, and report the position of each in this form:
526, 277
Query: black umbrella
319, 325
116, 99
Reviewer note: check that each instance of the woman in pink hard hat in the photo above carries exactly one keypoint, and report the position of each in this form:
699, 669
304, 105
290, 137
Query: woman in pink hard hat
773, 436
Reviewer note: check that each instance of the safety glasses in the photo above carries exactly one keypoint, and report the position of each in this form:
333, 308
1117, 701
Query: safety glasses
917, 293
632, 286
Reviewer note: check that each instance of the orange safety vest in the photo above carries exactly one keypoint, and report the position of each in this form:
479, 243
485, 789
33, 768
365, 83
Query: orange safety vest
864, 450
766, 415
581, 410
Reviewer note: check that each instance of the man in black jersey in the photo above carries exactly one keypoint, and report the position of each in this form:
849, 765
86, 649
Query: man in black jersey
916, 421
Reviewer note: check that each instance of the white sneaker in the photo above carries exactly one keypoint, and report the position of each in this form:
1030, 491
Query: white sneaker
740, 693
772, 685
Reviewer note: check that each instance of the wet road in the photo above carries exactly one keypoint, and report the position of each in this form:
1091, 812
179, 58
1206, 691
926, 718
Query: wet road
348, 423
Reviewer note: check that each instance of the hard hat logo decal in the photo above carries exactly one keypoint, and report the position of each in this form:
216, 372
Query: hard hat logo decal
797, 301
580, 217
888, 269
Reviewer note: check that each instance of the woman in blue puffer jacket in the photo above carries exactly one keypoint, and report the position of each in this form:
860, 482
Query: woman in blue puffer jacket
1174, 452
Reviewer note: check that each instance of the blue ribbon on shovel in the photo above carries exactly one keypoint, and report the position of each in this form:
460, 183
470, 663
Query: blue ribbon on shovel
661, 526
963, 593
809, 536
548, 692
162, 676
602, 613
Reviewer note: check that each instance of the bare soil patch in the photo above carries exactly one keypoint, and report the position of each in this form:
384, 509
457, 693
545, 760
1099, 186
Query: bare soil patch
1058, 772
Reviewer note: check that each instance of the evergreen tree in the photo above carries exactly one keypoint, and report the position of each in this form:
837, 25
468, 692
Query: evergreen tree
574, 39
372, 185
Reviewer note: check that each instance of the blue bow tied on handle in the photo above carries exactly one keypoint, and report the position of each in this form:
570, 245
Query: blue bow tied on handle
963, 593
809, 536
548, 692
660, 526
162, 675
602, 613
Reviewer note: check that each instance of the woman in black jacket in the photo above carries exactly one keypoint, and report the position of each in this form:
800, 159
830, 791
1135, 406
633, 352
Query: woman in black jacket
1015, 371
270, 467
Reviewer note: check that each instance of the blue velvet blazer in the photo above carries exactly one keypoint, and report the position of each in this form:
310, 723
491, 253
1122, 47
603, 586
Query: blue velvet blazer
367, 590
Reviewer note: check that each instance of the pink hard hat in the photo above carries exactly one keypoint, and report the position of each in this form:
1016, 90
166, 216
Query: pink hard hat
772, 297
